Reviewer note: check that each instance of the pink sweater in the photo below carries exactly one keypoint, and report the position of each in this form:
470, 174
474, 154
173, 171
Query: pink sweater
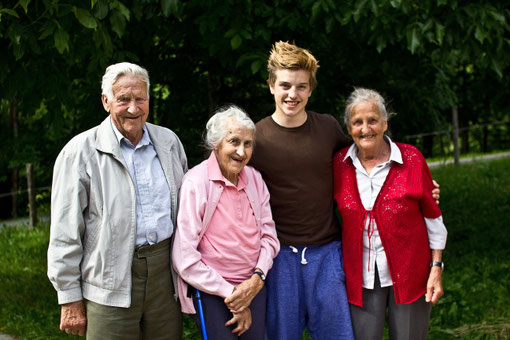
199, 196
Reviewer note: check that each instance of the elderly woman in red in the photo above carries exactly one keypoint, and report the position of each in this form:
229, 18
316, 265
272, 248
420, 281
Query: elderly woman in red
393, 234
225, 239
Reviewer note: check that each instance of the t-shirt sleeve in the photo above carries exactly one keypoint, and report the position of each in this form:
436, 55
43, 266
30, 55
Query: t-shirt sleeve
341, 139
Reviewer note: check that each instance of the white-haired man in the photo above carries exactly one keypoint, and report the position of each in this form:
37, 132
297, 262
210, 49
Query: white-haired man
113, 212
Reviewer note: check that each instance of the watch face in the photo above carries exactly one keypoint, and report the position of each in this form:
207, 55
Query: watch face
262, 276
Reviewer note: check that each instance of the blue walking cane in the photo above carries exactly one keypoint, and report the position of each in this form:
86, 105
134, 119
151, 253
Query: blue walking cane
201, 314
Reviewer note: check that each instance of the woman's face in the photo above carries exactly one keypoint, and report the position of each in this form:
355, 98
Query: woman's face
234, 151
367, 126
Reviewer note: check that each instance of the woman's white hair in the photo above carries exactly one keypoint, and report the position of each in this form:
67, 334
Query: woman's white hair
217, 127
360, 95
115, 71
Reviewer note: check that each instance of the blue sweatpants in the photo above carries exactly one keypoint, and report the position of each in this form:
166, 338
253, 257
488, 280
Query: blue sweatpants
306, 288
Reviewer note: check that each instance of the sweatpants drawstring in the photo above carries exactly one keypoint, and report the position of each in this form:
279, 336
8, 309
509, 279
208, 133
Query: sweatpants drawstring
303, 260
295, 251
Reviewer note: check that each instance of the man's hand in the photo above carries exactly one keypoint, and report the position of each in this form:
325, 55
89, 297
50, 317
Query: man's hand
243, 320
436, 191
244, 293
434, 285
73, 319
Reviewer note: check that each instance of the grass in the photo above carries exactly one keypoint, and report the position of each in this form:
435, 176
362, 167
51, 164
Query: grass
475, 200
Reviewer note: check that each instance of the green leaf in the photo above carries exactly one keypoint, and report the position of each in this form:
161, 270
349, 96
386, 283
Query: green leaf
316, 8
125, 11
101, 9
496, 67
373, 7
18, 51
480, 34
255, 66
85, 18
230, 33
10, 12
246, 35
118, 22
47, 29
236, 41
500, 18
439, 33
427, 25
380, 44
92, 3
24, 4
330, 23
360, 6
395, 3
168, 7
412, 40
61, 38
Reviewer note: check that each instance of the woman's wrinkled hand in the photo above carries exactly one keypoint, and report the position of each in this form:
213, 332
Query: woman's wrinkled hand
243, 294
243, 320
434, 285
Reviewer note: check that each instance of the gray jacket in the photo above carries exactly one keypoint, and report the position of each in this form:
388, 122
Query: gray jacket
93, 214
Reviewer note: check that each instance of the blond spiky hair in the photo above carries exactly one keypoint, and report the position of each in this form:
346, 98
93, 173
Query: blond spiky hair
288, 56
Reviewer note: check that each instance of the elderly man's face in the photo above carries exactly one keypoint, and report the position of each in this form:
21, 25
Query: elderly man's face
129, 107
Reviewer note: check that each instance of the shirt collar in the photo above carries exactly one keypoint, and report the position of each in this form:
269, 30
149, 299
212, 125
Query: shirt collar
146, 139
215, 174
395, 154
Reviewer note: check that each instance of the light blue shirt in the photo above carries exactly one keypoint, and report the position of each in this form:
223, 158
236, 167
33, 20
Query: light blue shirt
153, 206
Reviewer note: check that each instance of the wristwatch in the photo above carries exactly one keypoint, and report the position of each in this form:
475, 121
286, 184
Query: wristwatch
436, 263
262, 276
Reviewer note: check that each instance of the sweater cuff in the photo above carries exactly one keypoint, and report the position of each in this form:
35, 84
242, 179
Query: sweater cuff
226, 290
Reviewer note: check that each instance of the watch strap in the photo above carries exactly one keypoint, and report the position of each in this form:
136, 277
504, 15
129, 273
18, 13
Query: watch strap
438, 264
261, 275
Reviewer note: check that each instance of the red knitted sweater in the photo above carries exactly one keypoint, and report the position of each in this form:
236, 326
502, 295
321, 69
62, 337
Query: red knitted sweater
405, 198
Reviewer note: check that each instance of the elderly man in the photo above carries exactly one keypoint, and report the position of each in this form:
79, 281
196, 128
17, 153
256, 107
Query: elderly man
113, 212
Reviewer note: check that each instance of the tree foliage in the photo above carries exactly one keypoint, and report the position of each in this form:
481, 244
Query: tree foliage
425, 56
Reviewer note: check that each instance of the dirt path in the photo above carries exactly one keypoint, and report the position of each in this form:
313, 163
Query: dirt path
438, 164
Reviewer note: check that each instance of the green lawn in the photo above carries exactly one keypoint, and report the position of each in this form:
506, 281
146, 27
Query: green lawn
475, 200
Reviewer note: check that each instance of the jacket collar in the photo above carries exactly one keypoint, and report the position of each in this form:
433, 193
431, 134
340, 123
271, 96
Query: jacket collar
107, 141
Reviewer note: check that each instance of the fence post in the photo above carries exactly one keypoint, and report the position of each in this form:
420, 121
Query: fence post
31, 195
455, 121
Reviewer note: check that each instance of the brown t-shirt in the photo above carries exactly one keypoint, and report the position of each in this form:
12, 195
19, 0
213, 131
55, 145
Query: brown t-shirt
296, 164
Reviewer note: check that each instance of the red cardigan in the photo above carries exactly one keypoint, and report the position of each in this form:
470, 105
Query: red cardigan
405, 198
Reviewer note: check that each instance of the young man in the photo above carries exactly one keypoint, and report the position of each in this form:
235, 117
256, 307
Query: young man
294, 151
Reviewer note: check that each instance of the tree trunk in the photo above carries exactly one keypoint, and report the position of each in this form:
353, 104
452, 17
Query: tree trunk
14, 121
455, 122
31, 195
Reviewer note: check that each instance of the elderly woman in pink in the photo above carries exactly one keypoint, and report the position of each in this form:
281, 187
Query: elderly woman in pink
226, 240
